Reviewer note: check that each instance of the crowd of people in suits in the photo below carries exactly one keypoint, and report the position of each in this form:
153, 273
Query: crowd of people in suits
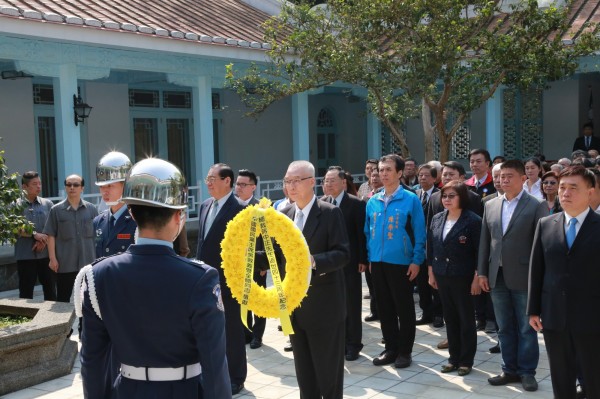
511, 250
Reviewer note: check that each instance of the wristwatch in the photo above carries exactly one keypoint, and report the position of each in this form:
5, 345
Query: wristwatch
33, 234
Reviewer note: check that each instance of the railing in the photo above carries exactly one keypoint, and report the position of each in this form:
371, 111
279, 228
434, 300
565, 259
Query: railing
272, 189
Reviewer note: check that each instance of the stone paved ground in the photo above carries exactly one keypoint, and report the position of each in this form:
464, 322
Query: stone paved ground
271, 372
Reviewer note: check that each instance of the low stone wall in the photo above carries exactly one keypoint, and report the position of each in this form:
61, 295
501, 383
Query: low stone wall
39, 350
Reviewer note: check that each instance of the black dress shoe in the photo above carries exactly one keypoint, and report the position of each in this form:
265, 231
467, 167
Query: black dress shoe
495, 349
288, 347
279, 328
402, 361
424, 319
529, 383
371, 317
386, 357
351, 355
256, 343
438, 322
504, 379
236, 388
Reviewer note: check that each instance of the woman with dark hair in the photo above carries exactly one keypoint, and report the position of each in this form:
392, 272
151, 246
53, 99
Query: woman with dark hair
452, 248
350, 186
533, 171
550, 191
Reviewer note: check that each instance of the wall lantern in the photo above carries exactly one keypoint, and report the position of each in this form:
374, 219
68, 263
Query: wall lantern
82, 110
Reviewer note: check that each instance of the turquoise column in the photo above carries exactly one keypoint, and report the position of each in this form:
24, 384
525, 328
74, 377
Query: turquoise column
68, 136
300, 134
203, 129
373, 136
494, 123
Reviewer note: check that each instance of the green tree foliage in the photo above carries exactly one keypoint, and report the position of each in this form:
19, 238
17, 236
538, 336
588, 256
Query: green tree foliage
441, 59
11, 217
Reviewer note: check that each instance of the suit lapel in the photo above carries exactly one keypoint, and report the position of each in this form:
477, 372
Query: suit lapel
586, 230
203, 215
312, 221
559, 231
525, 198
345, 205
457, 226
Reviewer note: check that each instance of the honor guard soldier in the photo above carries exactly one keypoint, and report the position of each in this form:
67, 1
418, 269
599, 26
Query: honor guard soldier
161, 314
115, 229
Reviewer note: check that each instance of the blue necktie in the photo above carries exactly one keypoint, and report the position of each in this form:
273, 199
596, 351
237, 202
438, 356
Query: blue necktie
571, 232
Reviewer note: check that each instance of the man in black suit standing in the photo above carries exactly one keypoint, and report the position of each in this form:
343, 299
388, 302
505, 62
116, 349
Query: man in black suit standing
429, 300
587, 141
354, 216
215, 213
563, 285
319, 322
245, 185
452, 170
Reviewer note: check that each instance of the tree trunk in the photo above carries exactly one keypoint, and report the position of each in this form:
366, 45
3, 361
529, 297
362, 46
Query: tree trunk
428, 131
444, 149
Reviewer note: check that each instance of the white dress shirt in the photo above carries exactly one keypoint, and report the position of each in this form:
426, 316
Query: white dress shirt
580, 218
508, 208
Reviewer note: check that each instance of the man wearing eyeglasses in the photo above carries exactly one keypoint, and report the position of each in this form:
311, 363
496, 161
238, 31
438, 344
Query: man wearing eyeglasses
70, 232
244, 189
215, 213
319, 323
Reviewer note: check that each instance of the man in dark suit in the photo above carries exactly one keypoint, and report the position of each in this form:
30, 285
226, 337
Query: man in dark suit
429, 300
452, 170
354, 217
481, 182
215, 213
587, 141
563, 285
244, 189
505, 247
319, 322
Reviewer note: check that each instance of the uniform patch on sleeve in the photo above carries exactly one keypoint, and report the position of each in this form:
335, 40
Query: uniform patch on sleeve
217, 293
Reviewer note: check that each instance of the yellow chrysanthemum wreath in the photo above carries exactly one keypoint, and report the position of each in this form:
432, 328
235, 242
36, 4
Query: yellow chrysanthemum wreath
265, 302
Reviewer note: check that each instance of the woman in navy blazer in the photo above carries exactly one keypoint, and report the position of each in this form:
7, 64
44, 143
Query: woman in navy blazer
452, 248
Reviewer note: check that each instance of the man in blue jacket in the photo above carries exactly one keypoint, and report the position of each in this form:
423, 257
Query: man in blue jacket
395, 230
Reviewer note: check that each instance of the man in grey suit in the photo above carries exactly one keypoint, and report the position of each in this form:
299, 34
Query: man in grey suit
507, 232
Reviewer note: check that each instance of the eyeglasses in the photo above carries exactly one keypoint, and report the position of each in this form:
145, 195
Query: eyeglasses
244, 185
549, 183
331, 181
73, 185
449, 196
212, 179
295, 182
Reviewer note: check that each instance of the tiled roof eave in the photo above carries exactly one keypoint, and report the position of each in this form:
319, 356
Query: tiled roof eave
127, 28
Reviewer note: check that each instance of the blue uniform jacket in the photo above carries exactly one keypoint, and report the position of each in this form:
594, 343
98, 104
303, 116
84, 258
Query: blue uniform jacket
158, 310
116, 239
386, 229
456, 255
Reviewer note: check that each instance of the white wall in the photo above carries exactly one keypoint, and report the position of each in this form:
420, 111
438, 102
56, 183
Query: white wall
108, 125
263, 145
561, 118
17, 127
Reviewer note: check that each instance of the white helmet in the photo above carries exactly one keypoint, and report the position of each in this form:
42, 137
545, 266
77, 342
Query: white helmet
112, 168
155, 182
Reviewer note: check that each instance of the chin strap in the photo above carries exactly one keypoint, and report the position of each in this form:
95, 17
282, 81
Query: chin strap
86, 273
